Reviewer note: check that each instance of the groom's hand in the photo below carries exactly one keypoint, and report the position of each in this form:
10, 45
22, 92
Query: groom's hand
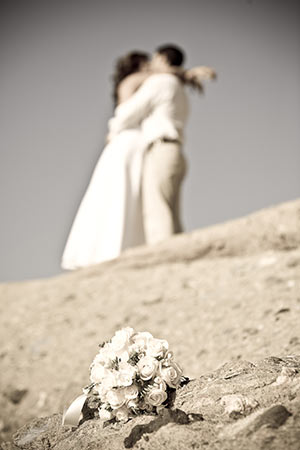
201, 73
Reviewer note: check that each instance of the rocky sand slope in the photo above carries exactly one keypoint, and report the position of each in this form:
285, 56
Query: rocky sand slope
227, 294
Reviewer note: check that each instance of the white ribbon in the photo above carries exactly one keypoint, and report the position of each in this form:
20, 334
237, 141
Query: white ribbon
73, 414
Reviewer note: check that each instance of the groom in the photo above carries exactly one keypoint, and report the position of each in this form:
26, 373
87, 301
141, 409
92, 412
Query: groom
160, 108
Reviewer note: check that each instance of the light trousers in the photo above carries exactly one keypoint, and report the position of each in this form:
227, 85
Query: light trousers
164, 171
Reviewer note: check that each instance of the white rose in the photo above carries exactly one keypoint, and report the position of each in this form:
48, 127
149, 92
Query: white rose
107, 383
98, 372
122, 414
156, 397
105, 356
115, 398
171, 374
124, 379
133, 349
104, 414
124, 357
141, 340
120, 341
131, 392
147, 367
157, 348
158, 382
125, 374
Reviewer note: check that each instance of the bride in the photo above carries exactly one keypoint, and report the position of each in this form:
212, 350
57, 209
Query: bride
109, 218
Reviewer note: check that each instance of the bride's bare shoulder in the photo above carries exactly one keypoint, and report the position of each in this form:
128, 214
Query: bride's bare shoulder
130, 85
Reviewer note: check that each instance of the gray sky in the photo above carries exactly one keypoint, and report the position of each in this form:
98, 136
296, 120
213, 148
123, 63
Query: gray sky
56, 58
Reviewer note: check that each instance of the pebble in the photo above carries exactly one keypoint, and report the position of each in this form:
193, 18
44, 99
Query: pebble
273, 417
236, 405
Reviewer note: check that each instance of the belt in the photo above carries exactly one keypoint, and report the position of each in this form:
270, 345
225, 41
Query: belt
164, 140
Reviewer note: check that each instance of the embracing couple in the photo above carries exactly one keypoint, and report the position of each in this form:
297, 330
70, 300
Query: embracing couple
134, 194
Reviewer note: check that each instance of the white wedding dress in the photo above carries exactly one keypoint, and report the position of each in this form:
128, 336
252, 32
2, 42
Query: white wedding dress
109, 218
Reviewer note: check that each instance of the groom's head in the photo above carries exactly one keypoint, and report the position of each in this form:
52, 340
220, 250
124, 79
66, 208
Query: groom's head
170, 55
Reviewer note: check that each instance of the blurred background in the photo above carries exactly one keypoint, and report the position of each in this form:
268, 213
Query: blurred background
56, 59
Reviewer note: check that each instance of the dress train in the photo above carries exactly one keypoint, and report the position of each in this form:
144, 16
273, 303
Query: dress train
109, 218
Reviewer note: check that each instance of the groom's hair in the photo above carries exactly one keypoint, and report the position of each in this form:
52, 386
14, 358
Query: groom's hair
174, 55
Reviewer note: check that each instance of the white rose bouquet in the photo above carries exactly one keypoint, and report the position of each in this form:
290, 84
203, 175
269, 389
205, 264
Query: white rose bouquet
133, 373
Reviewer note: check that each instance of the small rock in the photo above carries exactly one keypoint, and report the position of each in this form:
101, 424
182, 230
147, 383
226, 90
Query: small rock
294, 262
252, 331
16, 395
70, 297
273, 417
41, 400
152, 301
282, 310
267, 261
286, 374
238, 405
294, 340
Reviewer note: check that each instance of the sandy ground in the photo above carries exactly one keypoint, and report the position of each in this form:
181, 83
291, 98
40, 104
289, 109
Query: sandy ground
225, 293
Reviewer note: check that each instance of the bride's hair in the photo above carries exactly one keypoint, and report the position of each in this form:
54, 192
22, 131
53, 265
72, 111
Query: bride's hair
126, 65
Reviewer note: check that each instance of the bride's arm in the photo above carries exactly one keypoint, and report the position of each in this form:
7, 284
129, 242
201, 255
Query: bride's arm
134, 110
126, 89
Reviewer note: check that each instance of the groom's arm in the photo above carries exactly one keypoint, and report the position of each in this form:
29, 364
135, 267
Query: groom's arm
133, 111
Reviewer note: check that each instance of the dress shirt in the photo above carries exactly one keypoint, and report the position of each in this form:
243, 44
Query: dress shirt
159, 107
